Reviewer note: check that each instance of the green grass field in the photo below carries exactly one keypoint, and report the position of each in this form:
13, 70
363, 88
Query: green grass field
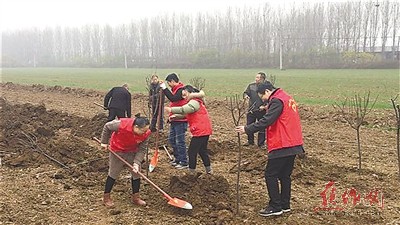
317, 87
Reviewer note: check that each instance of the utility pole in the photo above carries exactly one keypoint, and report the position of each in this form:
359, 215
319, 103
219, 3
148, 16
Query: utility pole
280, 46
280, 55
126, 62
34, 60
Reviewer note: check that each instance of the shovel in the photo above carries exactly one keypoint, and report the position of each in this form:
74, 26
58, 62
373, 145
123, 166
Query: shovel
172, 201
166, 150
154, 159
100, 105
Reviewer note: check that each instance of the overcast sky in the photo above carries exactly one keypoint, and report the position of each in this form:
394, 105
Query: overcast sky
21, 14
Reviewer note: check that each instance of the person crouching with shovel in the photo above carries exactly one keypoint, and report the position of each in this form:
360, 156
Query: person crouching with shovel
126, 137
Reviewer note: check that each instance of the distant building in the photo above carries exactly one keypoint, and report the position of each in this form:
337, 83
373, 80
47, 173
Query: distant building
387, 54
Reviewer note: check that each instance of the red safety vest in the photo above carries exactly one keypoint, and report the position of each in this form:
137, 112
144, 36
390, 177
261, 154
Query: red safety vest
199, 121
286, 131
125, 140
178, 103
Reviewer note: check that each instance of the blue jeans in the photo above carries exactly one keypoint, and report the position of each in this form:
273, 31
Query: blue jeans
177, 140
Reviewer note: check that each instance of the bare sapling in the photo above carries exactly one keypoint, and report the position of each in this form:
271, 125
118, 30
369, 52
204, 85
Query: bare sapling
271, 78
30, 141
148, 86
198, 82
237, 108
354, 111
396, 108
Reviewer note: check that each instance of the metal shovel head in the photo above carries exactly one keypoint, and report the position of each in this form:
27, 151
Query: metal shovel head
153, 161
151, 168
180, 203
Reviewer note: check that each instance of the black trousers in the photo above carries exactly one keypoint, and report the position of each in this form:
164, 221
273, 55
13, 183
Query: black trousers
279, 168
251, 118
154, 117
113, 112
198, 145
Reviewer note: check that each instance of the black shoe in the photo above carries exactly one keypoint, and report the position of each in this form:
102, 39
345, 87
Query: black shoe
248, 144
261, 146
270, 212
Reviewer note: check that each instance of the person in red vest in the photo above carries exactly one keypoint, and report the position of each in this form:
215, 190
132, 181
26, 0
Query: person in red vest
178, 127
284, 141
199, 125
128, 138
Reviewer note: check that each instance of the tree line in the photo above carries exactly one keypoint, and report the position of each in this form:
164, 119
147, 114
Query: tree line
304, 35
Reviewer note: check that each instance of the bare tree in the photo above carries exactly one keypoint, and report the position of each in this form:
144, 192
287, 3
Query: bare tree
198, 82
396, 108
238, 110
271, 78
386, 18
375, 26
396, 11
238, 37
354, 112
366, 18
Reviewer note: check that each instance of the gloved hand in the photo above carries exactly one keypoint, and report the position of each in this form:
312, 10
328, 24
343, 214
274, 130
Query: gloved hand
163, 86
135, 167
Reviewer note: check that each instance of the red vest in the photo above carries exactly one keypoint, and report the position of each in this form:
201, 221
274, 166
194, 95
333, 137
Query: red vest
199, 121
178, 103
286, 131
125, 140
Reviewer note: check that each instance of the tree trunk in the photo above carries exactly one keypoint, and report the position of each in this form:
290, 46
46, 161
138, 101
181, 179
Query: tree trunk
359, 149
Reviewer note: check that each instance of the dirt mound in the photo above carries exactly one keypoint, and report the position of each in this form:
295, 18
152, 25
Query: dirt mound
33, 135
56, 89
209, 194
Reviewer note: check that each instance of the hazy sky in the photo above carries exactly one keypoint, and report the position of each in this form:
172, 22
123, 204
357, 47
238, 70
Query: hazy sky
21, 14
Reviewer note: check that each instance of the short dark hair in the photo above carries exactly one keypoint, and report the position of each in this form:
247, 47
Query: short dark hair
141, 121
191, 89
171, 77
265, 86
262, 74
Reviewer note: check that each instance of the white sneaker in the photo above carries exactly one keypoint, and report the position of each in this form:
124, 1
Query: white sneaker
181, 166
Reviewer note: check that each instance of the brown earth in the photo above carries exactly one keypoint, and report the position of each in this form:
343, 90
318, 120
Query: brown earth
52, 172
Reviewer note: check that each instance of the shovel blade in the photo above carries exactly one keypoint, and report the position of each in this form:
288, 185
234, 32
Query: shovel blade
180, 203
151, 168
153, 161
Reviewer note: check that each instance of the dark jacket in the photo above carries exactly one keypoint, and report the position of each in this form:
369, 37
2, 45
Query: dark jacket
118, 98
255, 101
154, 96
